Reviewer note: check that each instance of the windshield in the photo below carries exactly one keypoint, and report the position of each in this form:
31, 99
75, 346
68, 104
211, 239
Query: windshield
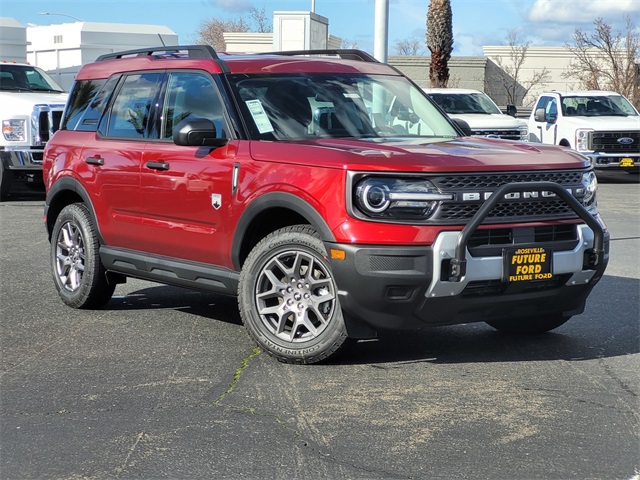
599, 106
303, 106
26, 78
462, 103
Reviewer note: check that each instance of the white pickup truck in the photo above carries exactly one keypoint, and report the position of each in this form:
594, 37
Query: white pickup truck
31, 106
601, 125
479, 112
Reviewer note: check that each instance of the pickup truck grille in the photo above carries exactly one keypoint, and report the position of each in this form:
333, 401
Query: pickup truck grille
608, 142
497, 133
470, 191
48, 118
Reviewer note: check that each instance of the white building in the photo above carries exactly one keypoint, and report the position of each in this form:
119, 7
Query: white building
61, 49
13, 41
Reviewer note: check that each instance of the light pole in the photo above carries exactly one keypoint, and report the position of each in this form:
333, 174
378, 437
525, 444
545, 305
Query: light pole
62, 15
381, 30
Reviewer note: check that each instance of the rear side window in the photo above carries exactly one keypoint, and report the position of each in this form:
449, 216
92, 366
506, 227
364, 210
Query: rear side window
131, 110
87, 103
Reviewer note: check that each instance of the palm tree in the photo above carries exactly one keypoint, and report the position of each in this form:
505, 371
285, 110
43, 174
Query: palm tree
439, 41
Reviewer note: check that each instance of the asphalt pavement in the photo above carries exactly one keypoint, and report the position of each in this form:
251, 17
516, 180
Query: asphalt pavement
165, 383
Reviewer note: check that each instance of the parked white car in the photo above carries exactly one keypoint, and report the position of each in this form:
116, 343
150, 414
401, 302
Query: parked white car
480, 112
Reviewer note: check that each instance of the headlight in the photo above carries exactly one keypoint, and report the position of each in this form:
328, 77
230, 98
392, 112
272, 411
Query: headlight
397, 198
582, 139
590, 185
524, 132
14, 130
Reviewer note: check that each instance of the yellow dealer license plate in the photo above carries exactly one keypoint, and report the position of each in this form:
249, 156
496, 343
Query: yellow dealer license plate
527, 264
627, 162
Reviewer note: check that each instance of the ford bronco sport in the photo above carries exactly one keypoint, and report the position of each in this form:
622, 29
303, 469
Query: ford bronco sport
324, 189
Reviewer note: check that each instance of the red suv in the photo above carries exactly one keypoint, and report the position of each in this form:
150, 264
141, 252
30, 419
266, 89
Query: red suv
324, 189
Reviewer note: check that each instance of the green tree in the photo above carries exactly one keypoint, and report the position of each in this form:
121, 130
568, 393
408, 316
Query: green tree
439, 41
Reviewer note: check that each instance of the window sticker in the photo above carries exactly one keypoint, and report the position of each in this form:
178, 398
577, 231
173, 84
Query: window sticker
259, 116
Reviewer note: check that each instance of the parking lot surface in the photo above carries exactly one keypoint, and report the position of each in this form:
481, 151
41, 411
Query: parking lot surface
165, 383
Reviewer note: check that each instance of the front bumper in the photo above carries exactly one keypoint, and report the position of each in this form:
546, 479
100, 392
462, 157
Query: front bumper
615, 161
392, 287
23, 166
29, 159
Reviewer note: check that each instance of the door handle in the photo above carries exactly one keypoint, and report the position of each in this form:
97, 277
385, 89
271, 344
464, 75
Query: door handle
97, 160
158, 165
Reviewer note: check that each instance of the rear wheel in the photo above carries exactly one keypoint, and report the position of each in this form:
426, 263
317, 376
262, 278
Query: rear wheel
530, 325
79, 276
288, 297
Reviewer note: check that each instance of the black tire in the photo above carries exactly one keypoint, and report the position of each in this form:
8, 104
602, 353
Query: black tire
5, 183
288, 298
78, 274
529, 325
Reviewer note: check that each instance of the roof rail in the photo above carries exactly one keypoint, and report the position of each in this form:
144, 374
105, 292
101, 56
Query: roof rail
346, 53
192, 51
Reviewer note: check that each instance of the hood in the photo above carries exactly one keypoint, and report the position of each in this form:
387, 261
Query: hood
22, 103
606, 123
489, 121
463, 154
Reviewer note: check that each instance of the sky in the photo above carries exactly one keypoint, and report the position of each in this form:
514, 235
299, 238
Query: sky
476, 23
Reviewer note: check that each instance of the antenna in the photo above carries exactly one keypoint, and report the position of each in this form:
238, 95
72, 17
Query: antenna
160, 36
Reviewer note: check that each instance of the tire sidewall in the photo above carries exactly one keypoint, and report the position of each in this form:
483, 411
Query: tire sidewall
313, 350
77, 214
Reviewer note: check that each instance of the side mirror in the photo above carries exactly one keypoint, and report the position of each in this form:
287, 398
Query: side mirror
512, 110
539, 115
464, 126
197, 132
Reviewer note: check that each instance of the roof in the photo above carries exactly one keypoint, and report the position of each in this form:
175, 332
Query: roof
581, 93
453, 91
203, 57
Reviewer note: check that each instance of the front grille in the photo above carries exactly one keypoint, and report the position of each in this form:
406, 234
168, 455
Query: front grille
489, 242
505, 134
48, 118
497, 179
535, 207
607, 142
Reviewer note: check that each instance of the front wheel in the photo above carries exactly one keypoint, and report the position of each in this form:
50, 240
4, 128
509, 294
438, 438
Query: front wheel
529, 325
78, 273
288, 297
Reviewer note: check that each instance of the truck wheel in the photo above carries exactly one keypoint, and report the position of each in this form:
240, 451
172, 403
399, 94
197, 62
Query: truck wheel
5, 183
530, 325
288, 297
78, 274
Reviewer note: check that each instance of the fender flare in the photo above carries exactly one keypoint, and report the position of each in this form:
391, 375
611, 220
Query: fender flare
277, 200
56, 192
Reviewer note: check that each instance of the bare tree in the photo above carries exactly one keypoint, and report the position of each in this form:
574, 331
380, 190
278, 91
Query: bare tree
348, 44
261, 22
439, 41
211, 31
411, 46
508, 79
605, 60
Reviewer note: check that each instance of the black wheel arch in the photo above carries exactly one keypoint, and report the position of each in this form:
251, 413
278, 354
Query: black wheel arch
268, 213
63, 192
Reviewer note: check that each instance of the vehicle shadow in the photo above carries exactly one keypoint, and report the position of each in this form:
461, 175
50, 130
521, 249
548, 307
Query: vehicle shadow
617, 177
610, 327
210, 306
